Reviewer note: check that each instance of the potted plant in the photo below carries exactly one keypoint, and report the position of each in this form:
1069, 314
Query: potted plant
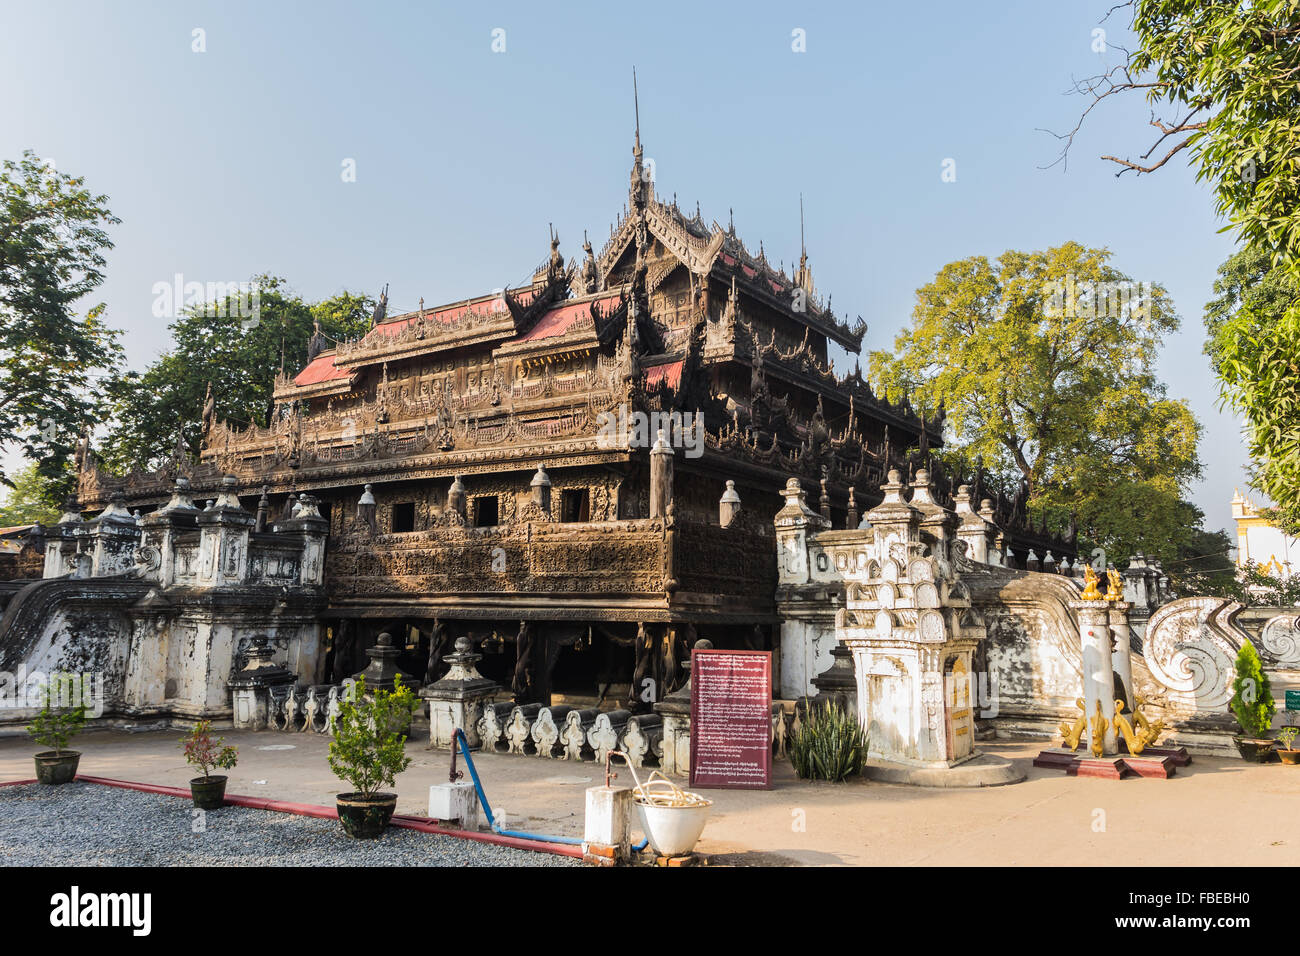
1286, 736
368, 752
1252, 704
54, 726
202, 751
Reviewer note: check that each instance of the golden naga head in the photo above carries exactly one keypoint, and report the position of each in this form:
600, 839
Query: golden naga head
1115, 591
1090, 592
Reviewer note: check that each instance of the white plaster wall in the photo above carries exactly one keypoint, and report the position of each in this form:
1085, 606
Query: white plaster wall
805, 653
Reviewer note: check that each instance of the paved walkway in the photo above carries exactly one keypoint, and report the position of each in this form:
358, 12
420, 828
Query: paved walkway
1217, 812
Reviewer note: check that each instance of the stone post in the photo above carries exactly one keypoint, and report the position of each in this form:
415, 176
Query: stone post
974, 529
456, 702
676, 712
607, 828
661, 476
250, 688
794, 522
996, 538
61, 542
728, 505
307, 522
366, 508
540, 488
161, 527
894, 520
838, 684
1122, 648
382, 671
1098, 670
114, 535
456, 497
223, 545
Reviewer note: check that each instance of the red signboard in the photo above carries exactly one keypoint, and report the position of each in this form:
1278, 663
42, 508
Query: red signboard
731, 719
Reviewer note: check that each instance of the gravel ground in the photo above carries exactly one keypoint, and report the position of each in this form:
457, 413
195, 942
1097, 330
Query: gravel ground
84, 824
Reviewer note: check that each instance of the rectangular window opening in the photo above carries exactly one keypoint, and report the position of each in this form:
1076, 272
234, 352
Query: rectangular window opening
403, 517
575, 505
485, 511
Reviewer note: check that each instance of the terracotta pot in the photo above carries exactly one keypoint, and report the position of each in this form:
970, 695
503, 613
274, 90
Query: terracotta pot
55, 766
1291, 757
365, 818
1255, 749
209, 793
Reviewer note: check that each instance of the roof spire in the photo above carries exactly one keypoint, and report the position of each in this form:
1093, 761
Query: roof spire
803, 251
636, 106
803, 278
639, 188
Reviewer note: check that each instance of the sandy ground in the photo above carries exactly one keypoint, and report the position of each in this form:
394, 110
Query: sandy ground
1218, 811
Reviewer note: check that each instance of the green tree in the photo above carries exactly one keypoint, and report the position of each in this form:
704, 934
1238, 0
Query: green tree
1252, 697
1221, 79
30, 499
53, 236
1254, 347
240, 355
1044, 363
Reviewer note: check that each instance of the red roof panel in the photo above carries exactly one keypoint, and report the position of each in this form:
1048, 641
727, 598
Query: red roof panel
559, 320
670, 372
320, 369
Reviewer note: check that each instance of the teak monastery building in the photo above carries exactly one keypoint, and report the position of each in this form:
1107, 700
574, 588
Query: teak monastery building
527, 468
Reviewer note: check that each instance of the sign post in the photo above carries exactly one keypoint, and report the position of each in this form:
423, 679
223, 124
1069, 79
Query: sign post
731, 720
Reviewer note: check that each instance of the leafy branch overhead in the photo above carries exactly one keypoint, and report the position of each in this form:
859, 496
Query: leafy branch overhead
1223, 81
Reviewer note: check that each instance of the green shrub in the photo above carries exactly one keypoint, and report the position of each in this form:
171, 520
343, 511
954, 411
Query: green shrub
207, 754
830, 744
366, 750
1252, 698
54, 726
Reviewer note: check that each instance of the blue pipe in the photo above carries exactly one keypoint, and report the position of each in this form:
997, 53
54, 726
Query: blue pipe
487, 808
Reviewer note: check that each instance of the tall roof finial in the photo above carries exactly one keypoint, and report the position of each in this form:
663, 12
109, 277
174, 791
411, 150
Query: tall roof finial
803, 250
636, 106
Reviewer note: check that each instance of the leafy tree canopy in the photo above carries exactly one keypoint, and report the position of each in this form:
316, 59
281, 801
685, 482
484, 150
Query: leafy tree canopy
1254, 346
239, 354
29, 500
53, 236
1044, 362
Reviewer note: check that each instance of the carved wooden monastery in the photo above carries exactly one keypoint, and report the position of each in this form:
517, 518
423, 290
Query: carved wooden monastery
556, 471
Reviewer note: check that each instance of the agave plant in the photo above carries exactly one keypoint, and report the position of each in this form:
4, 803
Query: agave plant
830, 744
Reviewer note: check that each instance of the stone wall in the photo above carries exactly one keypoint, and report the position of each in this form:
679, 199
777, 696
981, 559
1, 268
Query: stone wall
158, 611
1027, 666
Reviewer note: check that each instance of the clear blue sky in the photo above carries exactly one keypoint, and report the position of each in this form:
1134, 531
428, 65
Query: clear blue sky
227, 163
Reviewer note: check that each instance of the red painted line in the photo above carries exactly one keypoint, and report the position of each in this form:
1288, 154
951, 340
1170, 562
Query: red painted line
421, 824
